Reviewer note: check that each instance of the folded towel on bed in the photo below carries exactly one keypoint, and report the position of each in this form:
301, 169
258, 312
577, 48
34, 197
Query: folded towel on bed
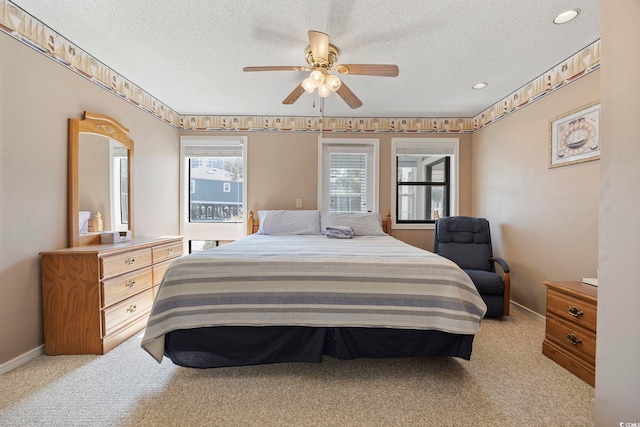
339, 232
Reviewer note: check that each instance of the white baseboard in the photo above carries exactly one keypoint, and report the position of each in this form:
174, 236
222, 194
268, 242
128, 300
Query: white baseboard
539, 317
21, 360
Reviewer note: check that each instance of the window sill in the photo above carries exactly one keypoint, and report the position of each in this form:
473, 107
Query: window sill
413, 226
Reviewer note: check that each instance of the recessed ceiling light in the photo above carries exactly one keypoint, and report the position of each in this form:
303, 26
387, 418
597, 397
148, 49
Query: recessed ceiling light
479, 86
567, 16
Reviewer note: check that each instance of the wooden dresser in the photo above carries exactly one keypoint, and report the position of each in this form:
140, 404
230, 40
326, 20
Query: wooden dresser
95, 297
570, 338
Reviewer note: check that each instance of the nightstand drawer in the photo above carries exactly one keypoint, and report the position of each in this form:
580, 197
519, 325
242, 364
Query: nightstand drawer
127, 311
122, 287
115, 265
572, 309
574, 339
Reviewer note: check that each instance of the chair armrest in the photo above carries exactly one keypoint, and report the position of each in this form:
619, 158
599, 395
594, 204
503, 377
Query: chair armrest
507, 282
503, 264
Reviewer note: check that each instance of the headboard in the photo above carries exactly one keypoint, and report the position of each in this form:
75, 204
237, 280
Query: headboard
253, 224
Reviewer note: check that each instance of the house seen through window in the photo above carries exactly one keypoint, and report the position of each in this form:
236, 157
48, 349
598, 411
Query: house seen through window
216, 188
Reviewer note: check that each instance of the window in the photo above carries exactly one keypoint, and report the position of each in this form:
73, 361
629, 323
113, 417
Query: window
425, 183
119, 186
348, 175
422, 187
216, 183
213, 173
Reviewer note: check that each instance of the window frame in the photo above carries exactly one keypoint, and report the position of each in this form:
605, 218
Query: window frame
118, 193
433, 146
343, 145
209, 231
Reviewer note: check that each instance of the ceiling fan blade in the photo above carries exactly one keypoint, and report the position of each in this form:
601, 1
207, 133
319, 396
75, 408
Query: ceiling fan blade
276, 68
294, 95
319, 43
384, 70
349, 97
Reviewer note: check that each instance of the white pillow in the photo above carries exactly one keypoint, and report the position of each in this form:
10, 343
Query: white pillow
289, 222
363, 224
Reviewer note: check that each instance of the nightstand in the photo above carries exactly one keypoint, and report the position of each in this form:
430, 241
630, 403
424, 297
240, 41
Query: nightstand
570, 337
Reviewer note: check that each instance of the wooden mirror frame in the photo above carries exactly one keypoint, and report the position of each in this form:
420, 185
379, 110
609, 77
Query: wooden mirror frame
109, 127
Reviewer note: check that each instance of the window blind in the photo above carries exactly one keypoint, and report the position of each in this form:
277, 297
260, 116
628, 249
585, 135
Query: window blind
425, 150
348, 182
119, 150
213, 150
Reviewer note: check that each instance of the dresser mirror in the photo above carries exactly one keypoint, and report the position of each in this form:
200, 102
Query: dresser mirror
100, 171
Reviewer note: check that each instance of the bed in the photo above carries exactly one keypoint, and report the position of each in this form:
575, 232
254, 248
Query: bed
289, 293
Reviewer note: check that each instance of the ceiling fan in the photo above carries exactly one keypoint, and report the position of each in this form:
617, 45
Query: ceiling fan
322, 57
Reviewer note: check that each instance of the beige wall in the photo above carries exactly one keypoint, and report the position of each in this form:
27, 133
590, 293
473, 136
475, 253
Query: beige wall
544, 222
618, 344
282, 168
37, 98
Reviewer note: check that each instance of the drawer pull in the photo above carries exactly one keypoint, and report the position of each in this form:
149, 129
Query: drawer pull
170, 251
575, 311
131, 283
573, 339
131, 308
130, 261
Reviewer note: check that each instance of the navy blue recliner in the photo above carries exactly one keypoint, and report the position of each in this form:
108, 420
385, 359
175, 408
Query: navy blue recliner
467, 242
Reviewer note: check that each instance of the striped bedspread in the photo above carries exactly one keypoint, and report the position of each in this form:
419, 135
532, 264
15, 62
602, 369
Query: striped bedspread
310, 280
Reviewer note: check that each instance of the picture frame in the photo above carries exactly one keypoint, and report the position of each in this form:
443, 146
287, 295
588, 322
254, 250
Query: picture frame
574, 137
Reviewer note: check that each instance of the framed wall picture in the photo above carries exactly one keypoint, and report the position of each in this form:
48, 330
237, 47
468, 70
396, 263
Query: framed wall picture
574, 137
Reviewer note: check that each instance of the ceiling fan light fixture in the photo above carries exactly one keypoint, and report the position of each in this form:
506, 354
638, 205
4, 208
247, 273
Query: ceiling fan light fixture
333, 82
316, 77
324, 91
308, 85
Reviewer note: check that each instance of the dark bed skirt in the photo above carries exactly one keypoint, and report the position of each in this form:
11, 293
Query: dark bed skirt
216, 347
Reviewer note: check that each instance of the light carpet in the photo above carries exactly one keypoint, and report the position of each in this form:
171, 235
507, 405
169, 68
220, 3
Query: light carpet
508, 382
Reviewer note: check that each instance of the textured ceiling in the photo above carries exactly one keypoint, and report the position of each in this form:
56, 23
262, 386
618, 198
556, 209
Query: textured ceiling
189, 54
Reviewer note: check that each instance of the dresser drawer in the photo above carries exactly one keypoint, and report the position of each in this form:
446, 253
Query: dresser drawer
159, 271
127, 311
165, 252
581, 368
576, 340
122, 287
115, 265
573, 310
